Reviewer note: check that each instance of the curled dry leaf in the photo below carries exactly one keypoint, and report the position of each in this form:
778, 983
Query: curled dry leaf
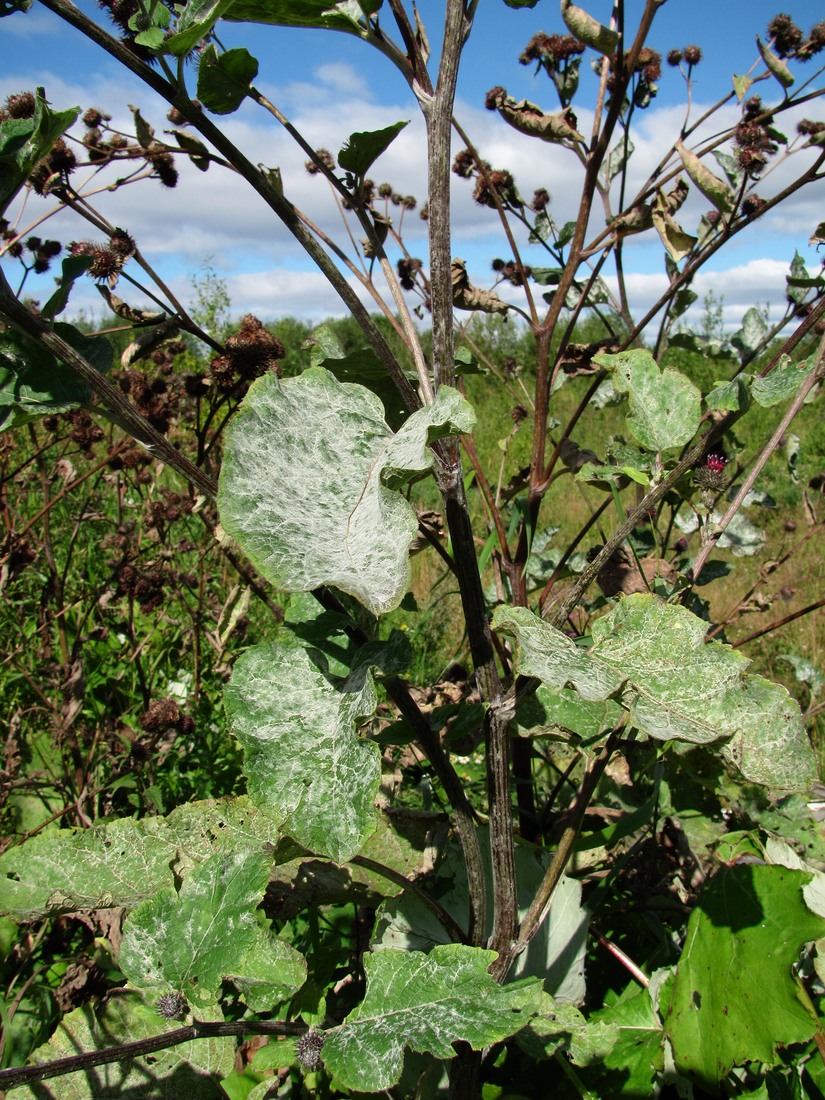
466, 296
712, 187
528, 118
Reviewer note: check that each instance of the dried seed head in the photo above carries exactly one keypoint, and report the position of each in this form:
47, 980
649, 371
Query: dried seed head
173, 1006
693, 55
308, 1049
674, 57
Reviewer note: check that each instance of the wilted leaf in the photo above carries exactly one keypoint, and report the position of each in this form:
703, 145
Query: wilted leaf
665, 407
778, 67
527, 118
311, 479
198, 153
425, 1003
677, 242
297, 723
741, 84
583, 26
191, 940
742, 939
712, 187
466, 296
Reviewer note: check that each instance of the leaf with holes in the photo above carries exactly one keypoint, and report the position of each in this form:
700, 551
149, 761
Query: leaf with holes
742, 940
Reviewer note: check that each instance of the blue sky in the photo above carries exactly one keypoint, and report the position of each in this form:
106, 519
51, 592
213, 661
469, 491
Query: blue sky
330, 85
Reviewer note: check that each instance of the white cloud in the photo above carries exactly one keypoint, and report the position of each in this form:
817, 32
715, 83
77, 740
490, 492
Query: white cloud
215, 216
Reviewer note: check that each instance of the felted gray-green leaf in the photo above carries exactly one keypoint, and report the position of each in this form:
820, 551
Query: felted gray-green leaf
425, 1002
674, 685
304, 763
191, 1070
123, 862
190, 940
665, 407
311, 479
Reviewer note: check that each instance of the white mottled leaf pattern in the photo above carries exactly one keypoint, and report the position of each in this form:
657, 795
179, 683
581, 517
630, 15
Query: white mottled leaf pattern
675, 686
310, 483
189, 941
424, 1002
304, 763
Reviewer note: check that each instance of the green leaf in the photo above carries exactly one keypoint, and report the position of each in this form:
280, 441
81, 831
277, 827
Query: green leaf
224, 79
425, 1003
269, 973
296, 722
665, 407
362, 366
750, 337
741, 83
348, 15
311, 479
623, 1044
25, 141
731, 396
361, 149
742, 940
190, 940
555, 954
124, 862
783, 382
673, 684
33, 383
72, 267
563, 711
195, 22
192, 1070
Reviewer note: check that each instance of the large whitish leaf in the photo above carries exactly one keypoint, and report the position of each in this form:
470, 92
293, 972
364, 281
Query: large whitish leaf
742, 940
311, 479
426, 1003
783, 381
665, 407
190, 940
125, 862
676, 687
304, 763
192, 1070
